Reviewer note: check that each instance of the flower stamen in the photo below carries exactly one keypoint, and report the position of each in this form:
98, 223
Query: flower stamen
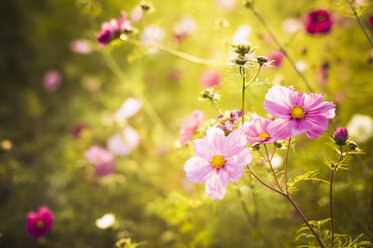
40, 224
218, 161
297, 112
264, 136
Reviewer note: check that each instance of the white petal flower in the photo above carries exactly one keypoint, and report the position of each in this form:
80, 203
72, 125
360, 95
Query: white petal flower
360, 127
129, 108
106, 221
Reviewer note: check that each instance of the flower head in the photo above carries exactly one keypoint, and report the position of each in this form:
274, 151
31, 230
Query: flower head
190, 125
129, 108
360, 127
340, 136
229, 121
210, 78
123, 144
106, 221
256, 130
370, 20
112, 29
39, 223
219, 161
52, 80
102, 159
297, 113
318, 22
276, 57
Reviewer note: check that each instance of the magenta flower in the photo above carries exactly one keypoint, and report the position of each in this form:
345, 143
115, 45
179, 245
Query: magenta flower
102, 159
112, 29
52, 80
318, 22
39, 223
190, 124
219, 161
78, 129
276, 57
256, 130
370, 20
340, 136
210, 78
297, 113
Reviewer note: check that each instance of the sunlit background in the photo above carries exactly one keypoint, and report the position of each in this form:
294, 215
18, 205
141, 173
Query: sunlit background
100, 133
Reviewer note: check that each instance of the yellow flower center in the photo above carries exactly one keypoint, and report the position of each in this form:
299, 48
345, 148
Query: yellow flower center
264, 136
297, 112
218, 161
40, 224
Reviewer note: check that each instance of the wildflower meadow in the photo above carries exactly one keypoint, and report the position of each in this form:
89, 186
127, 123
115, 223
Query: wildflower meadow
186, 124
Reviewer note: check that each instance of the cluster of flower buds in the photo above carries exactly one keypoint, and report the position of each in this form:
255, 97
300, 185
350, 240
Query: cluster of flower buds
242, 48
229, 121
210, 94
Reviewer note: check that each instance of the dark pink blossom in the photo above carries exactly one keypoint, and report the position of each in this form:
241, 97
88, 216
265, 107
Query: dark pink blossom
39, 223
318, 22
297, 113
219, 161
210, 78
77, 130
112, 29
276, 57
340, 136
256, 130
190, 125
370, 20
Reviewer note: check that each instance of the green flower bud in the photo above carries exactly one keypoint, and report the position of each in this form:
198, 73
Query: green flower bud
240, 60
242, 47
262, 60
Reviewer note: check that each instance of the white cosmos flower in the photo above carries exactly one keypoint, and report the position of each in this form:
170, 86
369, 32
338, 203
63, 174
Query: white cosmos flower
106, 221
129, 108
123, 144
360, 127
277, 161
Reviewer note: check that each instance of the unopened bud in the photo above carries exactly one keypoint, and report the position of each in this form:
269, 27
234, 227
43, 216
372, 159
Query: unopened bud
277, 144
353, 146
256, 146
242, 47
340, 136
240, 60
262, 60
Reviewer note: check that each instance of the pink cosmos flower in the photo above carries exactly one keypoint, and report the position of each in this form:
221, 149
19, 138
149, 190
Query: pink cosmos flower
228, 121
81, 46
210, 78
78, 129
190, 124
256, 130
52, 80
123, 144
129, 108
152, 35
277, 57
219, 161
184, 28
111, 29
297, 113
318, 22
39, 223
102, 159
370, 20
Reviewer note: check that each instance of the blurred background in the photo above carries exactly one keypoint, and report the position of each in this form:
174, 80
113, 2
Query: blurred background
62, 94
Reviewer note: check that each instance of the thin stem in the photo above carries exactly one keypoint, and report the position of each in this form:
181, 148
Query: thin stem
286, 167
177, 53
305, 220
262, 182
282, 48
331, 206
243, 74
255, 76
360, 23
273, 171
216, 107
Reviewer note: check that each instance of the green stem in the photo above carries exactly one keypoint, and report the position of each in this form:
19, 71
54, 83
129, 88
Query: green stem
331, 207
254, 77
176, 53
243, 74
286, 167
281, 47
360, 23
273, 171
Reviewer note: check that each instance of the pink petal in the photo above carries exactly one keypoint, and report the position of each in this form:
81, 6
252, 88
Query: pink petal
216, 139
299, 126
278, 101
214, 187
198, 170
326, 109
279, 130
311, 100
203, 149
319, 127
230, 173
239, 156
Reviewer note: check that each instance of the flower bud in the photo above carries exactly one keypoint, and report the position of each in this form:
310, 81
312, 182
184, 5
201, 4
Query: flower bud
256, 146
240, 60
340, 136
277, 144
353, 146
262, 60
242, 47
146, 6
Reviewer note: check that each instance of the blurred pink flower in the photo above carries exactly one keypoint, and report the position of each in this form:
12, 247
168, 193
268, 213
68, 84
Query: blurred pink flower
292, 25
39, 223
137, 14
111, 29
340, 96
190, 125
183, 28
152, 35
123, 144
210, 78
81, 46
219, 161
52, 80
77, 130
297, 113
323, 74
242, 33
318, 22
256, 130
129, 108
370, 20
277, 57
226, 5
175, 75
102, 159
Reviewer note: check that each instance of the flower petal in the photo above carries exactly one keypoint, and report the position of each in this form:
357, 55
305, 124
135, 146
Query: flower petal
197, 169
278, 101
203, 149
279, 129
230, 173
216, 139
214, 187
